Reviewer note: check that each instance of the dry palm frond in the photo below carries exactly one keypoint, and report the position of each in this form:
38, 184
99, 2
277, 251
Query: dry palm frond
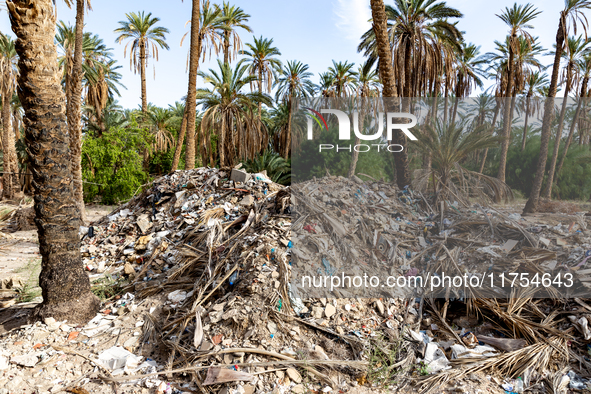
557, 382
531, 362
163, 140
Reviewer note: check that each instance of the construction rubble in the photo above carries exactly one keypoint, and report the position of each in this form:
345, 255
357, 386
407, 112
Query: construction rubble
197, 272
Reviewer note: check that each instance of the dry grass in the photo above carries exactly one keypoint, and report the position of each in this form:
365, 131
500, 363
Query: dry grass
547, 206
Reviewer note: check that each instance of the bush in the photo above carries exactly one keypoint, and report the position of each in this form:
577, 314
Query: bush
278, 169
112, 164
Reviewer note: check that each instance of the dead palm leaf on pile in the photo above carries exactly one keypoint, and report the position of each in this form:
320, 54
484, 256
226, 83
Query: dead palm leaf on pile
531, 363
520, 320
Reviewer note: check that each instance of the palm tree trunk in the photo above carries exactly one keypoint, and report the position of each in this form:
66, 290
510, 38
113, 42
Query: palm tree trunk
190, 104
8, 148
571, 132
527, 103
260, 107
355, 153
73, 112
179, 143
445, 102
507, 117
226, 47
532, 203
380, 27
143, 77
492, 126
65, 286
287, 138
548, 190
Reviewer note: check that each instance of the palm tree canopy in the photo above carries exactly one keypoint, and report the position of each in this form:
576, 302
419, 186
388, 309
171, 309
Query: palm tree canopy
343, 77
233, 17
261, 56
423, 30
294, 81
141, 31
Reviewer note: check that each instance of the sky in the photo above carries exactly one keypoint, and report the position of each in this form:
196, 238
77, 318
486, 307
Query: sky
315, 32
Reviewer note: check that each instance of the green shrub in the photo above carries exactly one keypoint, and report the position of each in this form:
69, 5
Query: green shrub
112, 164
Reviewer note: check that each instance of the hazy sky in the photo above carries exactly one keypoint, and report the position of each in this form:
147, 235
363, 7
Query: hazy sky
312, 31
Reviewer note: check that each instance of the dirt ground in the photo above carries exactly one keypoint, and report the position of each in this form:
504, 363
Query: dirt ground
20, 251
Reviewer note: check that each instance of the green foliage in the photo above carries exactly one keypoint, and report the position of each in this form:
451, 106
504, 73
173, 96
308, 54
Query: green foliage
278, 169
573, 181
309, 162
112, 164
107, 287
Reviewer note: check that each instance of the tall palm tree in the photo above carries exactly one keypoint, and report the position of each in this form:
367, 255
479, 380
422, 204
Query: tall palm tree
158, 120
422, 37
573, 13
74, 104
468, 65
101, 84
367, 85
230, 113
293, 82
380, 28
65, 286
575, 49
204, 37
233, 18
343, 77
263, 63
534, 83
8, 75
145, 38
518, 19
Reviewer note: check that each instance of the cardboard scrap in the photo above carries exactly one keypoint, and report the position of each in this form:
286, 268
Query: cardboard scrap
224, 375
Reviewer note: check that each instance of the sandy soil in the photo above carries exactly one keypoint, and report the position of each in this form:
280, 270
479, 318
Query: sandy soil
19, 252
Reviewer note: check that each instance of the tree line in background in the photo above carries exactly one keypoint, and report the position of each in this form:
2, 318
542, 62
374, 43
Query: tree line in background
243, 111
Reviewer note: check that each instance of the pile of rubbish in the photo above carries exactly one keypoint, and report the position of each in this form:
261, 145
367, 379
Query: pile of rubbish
197, 276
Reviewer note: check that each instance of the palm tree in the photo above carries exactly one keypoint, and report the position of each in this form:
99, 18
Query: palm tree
65, 286
8, 75
343, 77
535, 82
74, 103
294, 82
232, 17
326, 85
450, 144
261, 57
101, 84
380, 27
468, 65
278, 169
575, 49
145, 39
230, 113
573, 12
518, 19
367, 85
422, 39
158, 120
204, 36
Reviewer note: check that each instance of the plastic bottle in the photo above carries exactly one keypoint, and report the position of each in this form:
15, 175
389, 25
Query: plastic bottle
518, 385
233, 278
